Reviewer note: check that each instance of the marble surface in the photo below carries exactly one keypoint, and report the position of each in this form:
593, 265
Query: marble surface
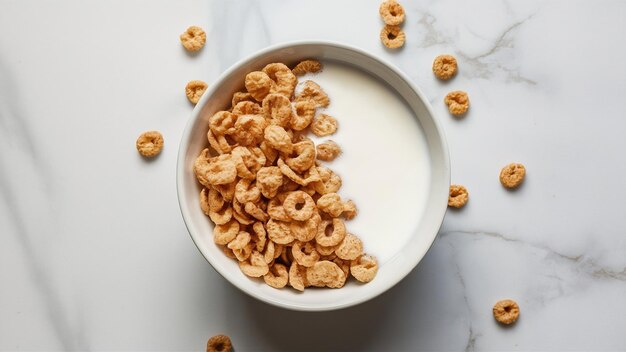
94, 254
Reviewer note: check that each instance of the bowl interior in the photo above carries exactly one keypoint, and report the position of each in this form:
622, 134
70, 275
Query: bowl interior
395, 267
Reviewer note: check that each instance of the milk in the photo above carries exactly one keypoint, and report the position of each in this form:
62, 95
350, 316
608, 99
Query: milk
384, 165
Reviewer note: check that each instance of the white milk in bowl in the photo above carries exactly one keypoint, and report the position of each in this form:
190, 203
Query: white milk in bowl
384, 166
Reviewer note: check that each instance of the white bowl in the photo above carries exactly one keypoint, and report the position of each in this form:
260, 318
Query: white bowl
427, 221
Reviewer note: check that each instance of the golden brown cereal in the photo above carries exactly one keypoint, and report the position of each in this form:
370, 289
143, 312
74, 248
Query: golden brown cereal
241, 96
329, 183
310, 175
246, 108
512, 175
325, 273
277, 109
444, 66
227, 191
324, 125
307, 66
244, 253
304, 253
247, 191
279, 231
258, 84
297, 276
259, 235
284, 80
350, 248
328, 151
506, 311
270, 153
194, 90
256, 210
457, 101
391, 12
220, 217
330, 203
303, 115
215, 171
364, 268
275, 208
193, 39
268, 180
305, 230
249, 129
277, 138
255, 266
204, 201
277, 276
349, 210
458, 196
149, 143
313, 92
222, 234
299, 206
241, 241
325, 251
331, 233
222, 122
219, 343
219, 142
392, 37
304, 156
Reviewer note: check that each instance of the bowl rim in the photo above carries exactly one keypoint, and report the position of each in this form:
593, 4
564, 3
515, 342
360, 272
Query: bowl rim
195, 114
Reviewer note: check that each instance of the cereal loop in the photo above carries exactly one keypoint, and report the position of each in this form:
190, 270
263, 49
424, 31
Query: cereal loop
219, 343
444, 66
391, 12
255, 266
247, 108
222, 122
249, 129
307, 66
241, 241
285, 81
150, 143
222, 234
303, 116
304, 157
277, 109
312, 91
305, 230
506, 311
279, 232
268, 180
331, 233
392, 36
364, 268
258, 84
325, 274
458, 196
304, 254
297, 276
193, 39
324, 125
277, 276
299, 206
194, 90
350, 248
328, 151
458, 102
512, 175
330, 203
277, 138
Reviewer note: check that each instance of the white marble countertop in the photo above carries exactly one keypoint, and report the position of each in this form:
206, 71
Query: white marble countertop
94, 254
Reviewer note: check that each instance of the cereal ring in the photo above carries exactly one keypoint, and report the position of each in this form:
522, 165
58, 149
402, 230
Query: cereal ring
364, 268
219, 343
219, 142
241, 96
259, 235
297, 276
307, 66
255, 266
506, 311
458, 196
247, 191
313, 92
310, 176
222, 234
275, 208
249, 129
241, 241
392, 36
268, 180
457, 101
277, 276
349, 210
256, 211
227, 191
330, 233
304, 253
325, 251
193, 39
149, 143
325, 273
331, 204
215, 199
215, 171
247, 108
350, 248
270, 250
299, 206
258, 84
270, 153
329, 183
305, 230
391, 12
328, 151
444, 66
305, 156
222, 122
303, 116
512, 175
229, 252
285, 81
221, 217
244, 253
194, 90
239, 213
277, 138
344, 265
248, 161
277, 109
324, 125
204, 201
279, 232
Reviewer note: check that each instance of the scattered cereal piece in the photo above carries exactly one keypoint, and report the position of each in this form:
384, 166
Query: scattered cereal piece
150, 143
328, 151
512, 175
392, 36
219, 343
193, 39
324, 125
364, 268
506, 311
391, 12
307, 66
313, 92
457, 101
458, 196
444, 66
194, 90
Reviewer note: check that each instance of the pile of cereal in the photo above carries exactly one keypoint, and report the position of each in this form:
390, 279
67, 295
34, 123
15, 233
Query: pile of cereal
275, 206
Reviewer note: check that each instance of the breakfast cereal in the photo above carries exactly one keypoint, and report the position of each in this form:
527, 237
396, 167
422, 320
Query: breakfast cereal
194, 90
324, 125
458, 196
512, 175
193, 39
444, 66
392, 37
150, 143
219, 343
458, 102
506, 311
307, 66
